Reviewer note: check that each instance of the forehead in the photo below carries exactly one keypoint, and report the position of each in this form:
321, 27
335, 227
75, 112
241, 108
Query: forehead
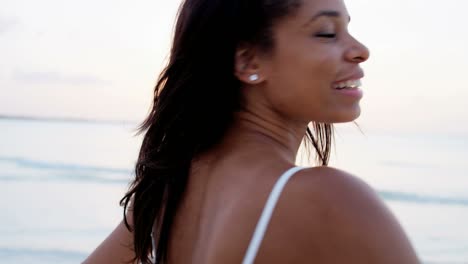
311, 8
322, 4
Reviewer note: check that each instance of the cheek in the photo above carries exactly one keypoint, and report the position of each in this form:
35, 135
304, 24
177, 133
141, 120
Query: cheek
302, 87
322, 64
308, 65
307, 75
300, 81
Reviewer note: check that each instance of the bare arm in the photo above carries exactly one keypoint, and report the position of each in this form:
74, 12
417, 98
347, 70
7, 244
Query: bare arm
116, 248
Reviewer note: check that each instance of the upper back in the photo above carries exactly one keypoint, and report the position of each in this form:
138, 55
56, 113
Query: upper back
323, 215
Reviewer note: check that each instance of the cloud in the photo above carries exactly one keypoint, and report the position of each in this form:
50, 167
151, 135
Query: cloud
8, 23
51, 77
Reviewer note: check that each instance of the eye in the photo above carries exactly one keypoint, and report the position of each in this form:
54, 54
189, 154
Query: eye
326, 35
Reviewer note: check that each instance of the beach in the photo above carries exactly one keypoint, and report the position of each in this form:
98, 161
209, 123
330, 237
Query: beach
61, 182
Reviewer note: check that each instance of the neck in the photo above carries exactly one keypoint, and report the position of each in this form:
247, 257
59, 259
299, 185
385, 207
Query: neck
266, 134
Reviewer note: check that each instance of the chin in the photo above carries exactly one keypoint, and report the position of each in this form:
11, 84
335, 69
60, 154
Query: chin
348, 116
343, 115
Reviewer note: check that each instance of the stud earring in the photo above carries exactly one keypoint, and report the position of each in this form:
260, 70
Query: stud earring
253, 77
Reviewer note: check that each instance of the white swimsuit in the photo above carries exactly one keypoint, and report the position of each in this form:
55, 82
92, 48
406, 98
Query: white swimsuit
262, 224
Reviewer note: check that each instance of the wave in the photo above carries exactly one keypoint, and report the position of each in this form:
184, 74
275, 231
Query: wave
444, 262
407, 165
63, 178
55, 171
44, 165
422, 199
27, 255
59, 172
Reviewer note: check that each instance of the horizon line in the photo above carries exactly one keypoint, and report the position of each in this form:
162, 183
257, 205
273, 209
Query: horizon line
64, 119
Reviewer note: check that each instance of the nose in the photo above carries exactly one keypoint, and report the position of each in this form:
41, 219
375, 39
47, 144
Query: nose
357, 52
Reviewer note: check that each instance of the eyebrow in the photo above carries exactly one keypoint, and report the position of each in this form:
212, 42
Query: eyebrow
326, 13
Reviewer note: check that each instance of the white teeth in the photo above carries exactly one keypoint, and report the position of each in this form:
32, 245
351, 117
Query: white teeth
348, 84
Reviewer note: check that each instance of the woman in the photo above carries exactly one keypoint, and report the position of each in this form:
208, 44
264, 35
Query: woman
244, 80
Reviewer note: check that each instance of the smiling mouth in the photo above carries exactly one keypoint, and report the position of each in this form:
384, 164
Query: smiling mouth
351, 84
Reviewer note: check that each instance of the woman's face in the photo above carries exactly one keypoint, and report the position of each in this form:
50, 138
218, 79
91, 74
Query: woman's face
314, 54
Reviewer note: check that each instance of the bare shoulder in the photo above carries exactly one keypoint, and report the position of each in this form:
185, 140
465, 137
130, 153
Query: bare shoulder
333, 187
330, 216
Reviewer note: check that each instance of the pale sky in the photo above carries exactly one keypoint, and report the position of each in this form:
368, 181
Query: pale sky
99, 59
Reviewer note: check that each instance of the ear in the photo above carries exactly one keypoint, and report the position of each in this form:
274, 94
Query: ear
247, 65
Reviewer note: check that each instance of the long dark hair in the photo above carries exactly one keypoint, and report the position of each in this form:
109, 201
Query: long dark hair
195, 99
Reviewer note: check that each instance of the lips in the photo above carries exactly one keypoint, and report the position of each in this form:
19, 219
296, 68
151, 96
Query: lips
357, 75
351, 84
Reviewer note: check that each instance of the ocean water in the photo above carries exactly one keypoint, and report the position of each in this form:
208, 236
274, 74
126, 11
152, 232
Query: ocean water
60, 183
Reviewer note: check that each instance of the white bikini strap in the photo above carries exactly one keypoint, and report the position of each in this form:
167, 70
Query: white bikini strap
262, 224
